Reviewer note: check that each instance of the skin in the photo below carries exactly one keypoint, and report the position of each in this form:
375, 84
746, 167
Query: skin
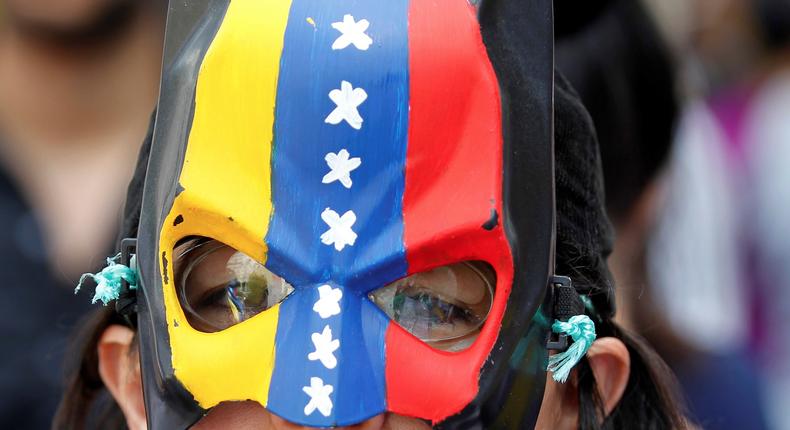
119, 368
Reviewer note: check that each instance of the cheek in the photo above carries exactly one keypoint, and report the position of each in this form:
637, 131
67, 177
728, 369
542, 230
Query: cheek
549, 408
558, 410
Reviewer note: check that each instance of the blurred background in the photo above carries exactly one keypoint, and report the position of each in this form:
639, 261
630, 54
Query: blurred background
691, 101
78, 83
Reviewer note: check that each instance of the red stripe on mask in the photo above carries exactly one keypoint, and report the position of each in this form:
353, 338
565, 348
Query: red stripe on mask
453, 188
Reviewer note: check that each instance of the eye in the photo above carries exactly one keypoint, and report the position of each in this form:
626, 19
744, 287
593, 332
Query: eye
219, 287
444, 307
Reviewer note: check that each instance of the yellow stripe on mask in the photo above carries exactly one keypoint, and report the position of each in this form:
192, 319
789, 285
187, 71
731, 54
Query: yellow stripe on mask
226, 178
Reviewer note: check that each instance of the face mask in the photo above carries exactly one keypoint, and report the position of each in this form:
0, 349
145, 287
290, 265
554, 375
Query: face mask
348, 211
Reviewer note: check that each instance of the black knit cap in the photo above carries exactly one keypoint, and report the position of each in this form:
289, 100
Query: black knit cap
584, 234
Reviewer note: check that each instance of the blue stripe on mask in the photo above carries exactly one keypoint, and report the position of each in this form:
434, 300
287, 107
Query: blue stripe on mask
338, 165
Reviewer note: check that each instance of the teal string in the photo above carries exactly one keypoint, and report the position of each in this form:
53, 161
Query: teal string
589, 306
108, 281
582, 330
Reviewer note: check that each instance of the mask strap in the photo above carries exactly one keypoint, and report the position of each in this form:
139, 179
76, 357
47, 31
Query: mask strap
570, 321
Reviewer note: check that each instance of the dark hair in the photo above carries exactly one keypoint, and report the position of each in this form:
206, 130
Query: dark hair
583, 243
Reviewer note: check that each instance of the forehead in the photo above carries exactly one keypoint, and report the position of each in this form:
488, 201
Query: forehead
376, 121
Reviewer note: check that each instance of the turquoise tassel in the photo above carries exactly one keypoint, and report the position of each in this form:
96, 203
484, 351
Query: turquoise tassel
108, 281
582, 330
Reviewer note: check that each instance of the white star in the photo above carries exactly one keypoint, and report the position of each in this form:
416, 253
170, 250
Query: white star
328, 303
341, 167
352, 32
347, 99
319, 397
325, 348
340, 233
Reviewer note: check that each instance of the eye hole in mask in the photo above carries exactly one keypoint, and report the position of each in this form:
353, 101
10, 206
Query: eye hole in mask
219, 287
444, 307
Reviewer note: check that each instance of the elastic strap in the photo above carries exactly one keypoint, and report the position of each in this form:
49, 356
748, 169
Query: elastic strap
570, 322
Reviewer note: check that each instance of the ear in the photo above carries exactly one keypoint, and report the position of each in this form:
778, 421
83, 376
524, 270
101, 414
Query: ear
611, 366
119, 368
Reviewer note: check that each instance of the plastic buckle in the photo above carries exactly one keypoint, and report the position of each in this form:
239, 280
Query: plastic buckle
558, 342
126, 305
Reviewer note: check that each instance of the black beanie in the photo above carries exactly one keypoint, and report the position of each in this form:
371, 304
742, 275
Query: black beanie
584, 233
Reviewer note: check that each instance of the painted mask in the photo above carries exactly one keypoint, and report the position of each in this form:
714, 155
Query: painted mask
348, 211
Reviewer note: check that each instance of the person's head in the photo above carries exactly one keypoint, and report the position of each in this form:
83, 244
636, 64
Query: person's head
345, 217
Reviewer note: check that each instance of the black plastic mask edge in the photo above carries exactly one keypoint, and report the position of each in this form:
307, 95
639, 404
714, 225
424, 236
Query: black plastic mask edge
525, 69
168, 404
